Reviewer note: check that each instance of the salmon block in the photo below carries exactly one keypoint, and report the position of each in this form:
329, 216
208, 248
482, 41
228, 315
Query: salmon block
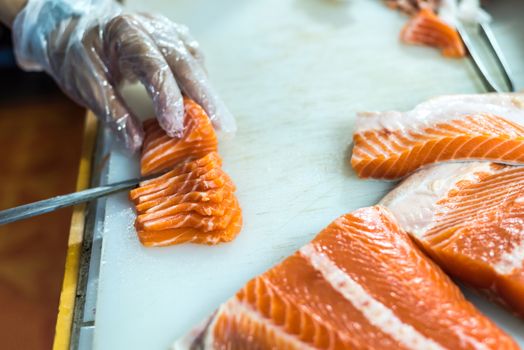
194, 200
426, 28
469, 217
360, 284
391, 145
161, 152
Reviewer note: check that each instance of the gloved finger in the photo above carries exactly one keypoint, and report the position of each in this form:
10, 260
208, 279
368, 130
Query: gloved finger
193, 81
163, 29
130, 47
88, 82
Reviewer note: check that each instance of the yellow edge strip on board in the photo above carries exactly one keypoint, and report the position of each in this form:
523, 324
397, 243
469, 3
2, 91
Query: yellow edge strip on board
66, 306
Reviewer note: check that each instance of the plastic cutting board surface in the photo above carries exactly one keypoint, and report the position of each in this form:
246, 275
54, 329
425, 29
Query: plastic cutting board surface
294, 73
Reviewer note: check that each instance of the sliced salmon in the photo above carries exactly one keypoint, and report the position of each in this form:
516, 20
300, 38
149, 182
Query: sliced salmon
161, 152
426, 28
214, 195
187, 171
469, 218
209, 161
390, 145
191, 235
360, 284
174, 218
194, 200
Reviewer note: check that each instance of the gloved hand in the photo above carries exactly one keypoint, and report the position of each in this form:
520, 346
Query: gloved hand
90, 46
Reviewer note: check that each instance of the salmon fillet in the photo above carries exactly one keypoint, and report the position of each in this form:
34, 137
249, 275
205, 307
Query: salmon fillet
360, 284
161, 152
194, 200
469, 218
426, 28
390, 145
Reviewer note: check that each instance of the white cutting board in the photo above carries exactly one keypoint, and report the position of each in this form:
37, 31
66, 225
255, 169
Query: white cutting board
293, 72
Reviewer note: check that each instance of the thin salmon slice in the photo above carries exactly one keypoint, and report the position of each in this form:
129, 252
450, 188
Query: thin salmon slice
469, 218
180, 183
426, 28
196, 215
191, 235
161, 152
360, 284
188, 171
206, 208
210, 160
213, 179
194, 200
390, 145
213, 195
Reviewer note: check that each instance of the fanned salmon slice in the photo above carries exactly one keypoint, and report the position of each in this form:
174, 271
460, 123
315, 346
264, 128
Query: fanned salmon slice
360, 284
177, 183
213, 179
161, 152
390, 145
426, 28
191, 235
470, 218
205, 208
194, 201
214, 196
210, 160
197, 215
174, 177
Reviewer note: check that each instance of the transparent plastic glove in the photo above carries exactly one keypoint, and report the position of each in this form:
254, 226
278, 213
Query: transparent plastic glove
90, 46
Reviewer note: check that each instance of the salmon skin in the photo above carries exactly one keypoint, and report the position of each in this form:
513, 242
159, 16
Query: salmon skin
194, 201
391, 145
426, 28
469, 218
360, 284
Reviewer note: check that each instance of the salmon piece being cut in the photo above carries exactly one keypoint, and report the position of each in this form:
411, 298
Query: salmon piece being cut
426, 28
194, 200
390, 145
161, 152
469, 217
360, 284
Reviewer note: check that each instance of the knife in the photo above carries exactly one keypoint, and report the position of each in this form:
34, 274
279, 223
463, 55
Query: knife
47, 205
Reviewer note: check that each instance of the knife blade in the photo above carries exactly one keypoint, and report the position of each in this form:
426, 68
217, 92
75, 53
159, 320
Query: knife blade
48, 205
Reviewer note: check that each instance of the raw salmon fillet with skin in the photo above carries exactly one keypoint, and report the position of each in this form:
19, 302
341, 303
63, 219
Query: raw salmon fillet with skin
391, 145
194, 200
426, 28
360, 284
469, 217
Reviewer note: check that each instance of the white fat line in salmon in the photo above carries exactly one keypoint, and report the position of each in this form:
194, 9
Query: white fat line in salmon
375, 312
512, 260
